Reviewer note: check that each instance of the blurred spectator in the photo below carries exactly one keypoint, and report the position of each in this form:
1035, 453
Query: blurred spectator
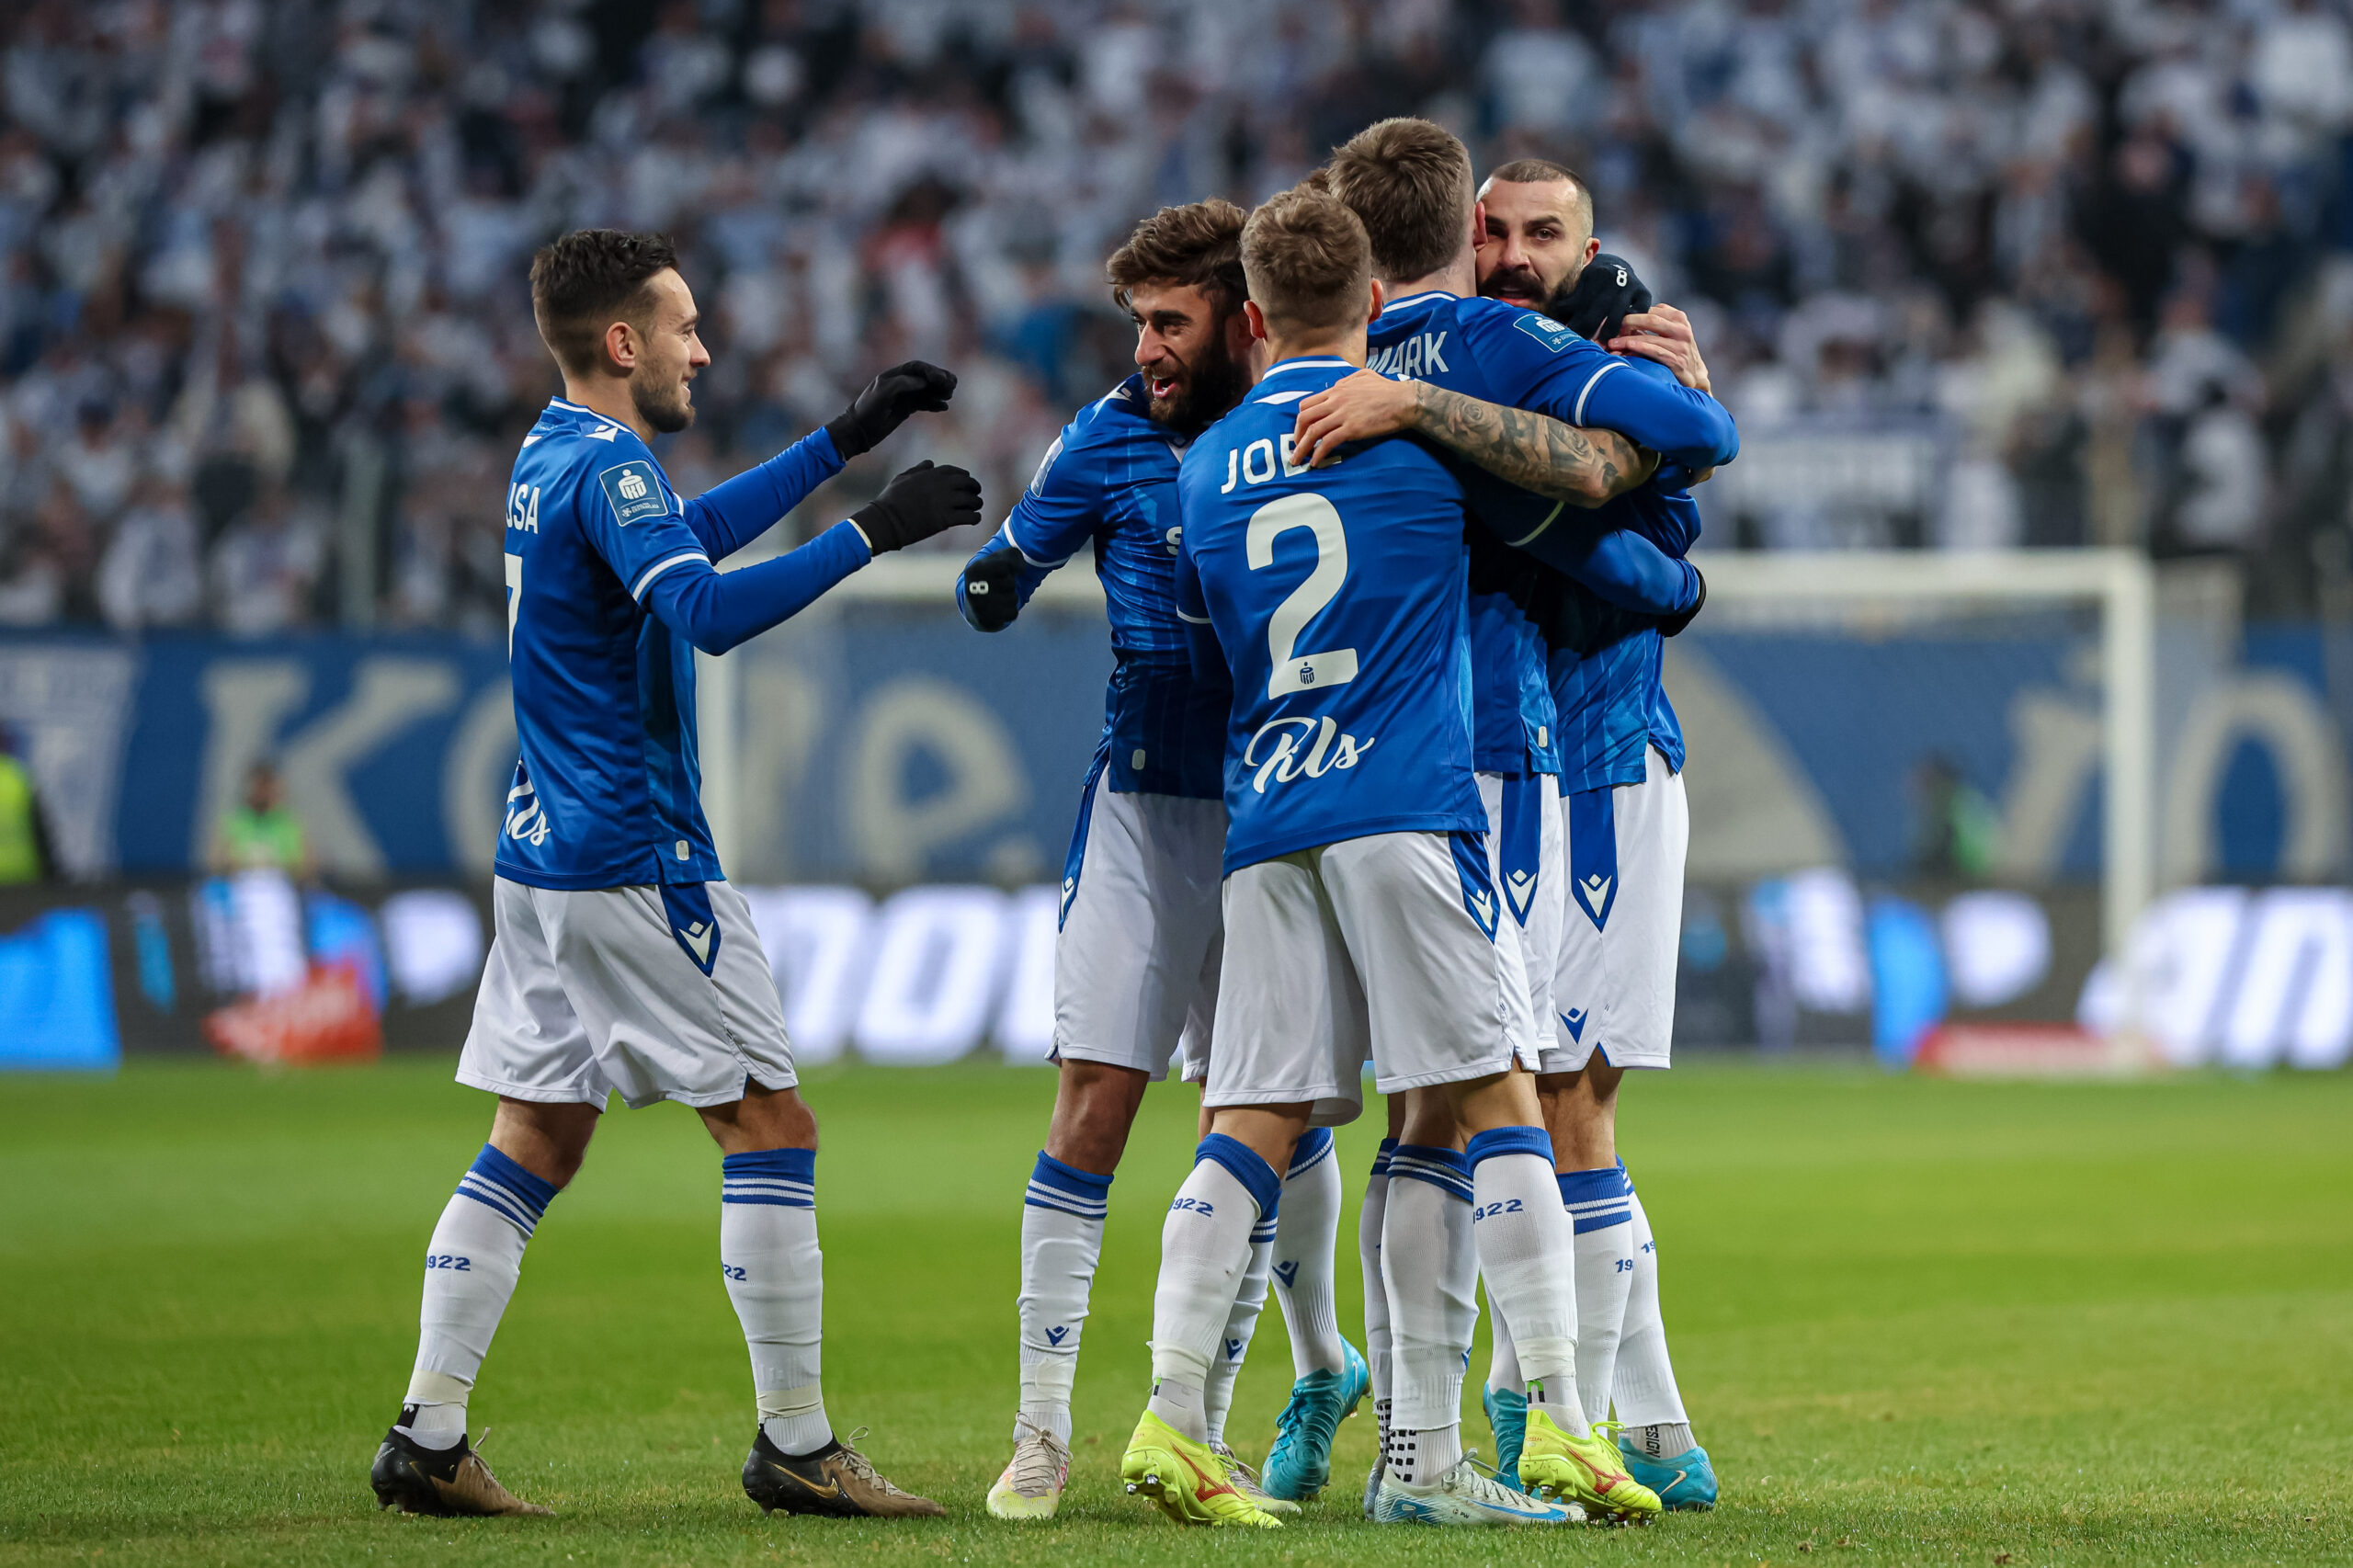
25, 853
259, 832
261, 261
1956, 829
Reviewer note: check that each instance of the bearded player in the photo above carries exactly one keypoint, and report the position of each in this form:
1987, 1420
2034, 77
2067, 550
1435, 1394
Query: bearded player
1137, 956
1627, 828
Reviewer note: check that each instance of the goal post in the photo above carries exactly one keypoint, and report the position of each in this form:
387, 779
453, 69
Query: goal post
2121, 583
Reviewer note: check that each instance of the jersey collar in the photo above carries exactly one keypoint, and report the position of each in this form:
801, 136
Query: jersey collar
1311, 362
1426, 297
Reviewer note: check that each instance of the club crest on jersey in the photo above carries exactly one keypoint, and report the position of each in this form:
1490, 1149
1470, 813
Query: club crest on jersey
635, 491
1281, 760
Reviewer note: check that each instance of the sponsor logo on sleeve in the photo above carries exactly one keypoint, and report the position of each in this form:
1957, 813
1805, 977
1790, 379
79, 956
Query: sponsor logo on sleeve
635, 492
1550, 334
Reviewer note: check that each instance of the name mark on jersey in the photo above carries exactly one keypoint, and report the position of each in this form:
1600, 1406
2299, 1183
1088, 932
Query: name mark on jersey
523, 508
1283, 762
634, 490
1259, 462
1411, 359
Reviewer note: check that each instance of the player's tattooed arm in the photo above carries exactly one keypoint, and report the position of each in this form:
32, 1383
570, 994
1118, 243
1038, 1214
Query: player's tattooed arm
1536, 452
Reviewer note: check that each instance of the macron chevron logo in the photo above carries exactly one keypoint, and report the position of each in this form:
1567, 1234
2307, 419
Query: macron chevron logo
1483, 907
1233, 1348
604, 432
1574, 1021
1595, 889
1054, 1336
1287, 1272
1522, 887
698, 939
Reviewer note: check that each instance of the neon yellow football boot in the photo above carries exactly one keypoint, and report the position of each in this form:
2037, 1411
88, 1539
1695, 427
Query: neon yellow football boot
1586, 1471
1186, 1479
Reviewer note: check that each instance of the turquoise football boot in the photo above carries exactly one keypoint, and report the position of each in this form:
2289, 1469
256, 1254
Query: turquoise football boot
1300, 1463
1684, 1481
1507, 1419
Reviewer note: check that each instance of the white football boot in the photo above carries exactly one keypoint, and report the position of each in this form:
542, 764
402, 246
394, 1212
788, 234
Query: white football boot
1031, 1486
1466, 1496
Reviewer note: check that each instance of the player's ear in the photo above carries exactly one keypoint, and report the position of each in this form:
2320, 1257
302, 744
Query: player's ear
1478, 223
1257, 318
1379, 298
621, 345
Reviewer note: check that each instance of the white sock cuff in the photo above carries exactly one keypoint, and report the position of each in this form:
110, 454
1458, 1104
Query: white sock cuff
1177, 1364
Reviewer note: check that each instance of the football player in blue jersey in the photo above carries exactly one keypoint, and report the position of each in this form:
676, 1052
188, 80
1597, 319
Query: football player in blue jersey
1445, 352
1361, 915
1136, 961
1626, 823
622, 961
1136, 958
1624, 820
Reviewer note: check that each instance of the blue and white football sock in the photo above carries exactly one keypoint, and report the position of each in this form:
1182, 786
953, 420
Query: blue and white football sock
776, 1276
1600, 1207
1527, 1251
1307, 1242
1370, 1221
471, 1267
1204, 1251
1430, 1265
1648, 1400
1216, 1394
1062, 1242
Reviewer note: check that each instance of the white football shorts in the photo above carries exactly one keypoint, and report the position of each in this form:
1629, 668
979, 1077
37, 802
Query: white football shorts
591, 992
1136, 961
1524, 855
1622, 929
1382, 947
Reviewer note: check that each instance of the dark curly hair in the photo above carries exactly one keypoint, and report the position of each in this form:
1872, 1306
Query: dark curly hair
588, 279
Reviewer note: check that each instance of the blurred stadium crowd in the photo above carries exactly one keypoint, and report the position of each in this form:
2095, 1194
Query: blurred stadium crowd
2034, 271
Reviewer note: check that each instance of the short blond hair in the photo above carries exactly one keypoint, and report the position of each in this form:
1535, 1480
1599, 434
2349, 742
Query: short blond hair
1308, 261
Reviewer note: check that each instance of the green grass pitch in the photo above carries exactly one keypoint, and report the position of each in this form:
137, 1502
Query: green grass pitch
1916, 1321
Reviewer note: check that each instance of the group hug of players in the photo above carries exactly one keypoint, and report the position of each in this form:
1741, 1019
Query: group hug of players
1389, 525
1387, 777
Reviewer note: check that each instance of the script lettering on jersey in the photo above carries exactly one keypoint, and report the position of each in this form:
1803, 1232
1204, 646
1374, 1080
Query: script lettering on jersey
1411, 359
523, 508
1259, 462
526, 822
1327, 749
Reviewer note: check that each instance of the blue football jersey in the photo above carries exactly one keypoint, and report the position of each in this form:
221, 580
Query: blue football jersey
1338, 600
1109, 480
1602, 663
607, 789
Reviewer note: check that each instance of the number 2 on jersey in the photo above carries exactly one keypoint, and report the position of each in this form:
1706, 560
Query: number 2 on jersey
1294, 671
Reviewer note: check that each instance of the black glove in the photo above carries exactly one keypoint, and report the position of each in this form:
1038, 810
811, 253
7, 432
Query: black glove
1604, 295
991, 597
919, 503
885, 404
1668, 625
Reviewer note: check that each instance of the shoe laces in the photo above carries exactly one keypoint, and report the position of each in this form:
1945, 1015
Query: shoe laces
1040, 1459
858, 1465
1238, 1468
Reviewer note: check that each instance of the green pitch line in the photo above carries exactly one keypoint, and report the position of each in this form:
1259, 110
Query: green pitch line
1916, 1321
